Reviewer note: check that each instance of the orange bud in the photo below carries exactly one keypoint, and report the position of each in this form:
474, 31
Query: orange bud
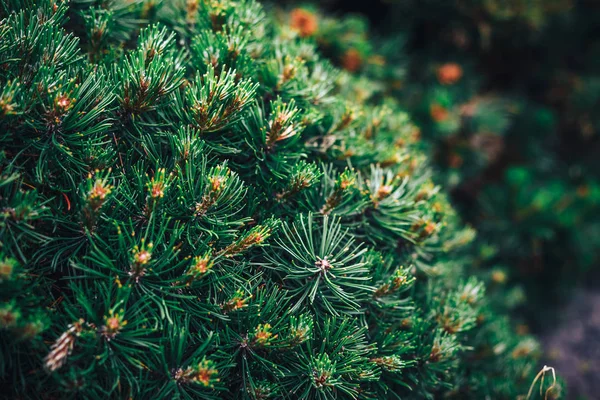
438, 113
352, 60
449, 73
303, 21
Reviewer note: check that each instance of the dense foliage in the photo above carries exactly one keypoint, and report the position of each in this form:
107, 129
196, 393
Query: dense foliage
195, 204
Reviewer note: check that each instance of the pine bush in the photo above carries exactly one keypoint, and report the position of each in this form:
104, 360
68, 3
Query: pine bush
196, 204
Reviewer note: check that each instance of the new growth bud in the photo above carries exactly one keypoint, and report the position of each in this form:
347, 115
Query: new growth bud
140, 258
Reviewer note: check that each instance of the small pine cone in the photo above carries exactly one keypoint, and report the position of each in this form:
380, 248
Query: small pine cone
61, 349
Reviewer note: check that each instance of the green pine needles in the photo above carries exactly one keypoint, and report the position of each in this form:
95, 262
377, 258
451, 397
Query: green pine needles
196, 205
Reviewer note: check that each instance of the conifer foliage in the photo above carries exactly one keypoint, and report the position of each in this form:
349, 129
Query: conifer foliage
195, 204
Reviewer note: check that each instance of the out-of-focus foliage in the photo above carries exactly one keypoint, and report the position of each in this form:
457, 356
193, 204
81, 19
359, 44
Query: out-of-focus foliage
505, 94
